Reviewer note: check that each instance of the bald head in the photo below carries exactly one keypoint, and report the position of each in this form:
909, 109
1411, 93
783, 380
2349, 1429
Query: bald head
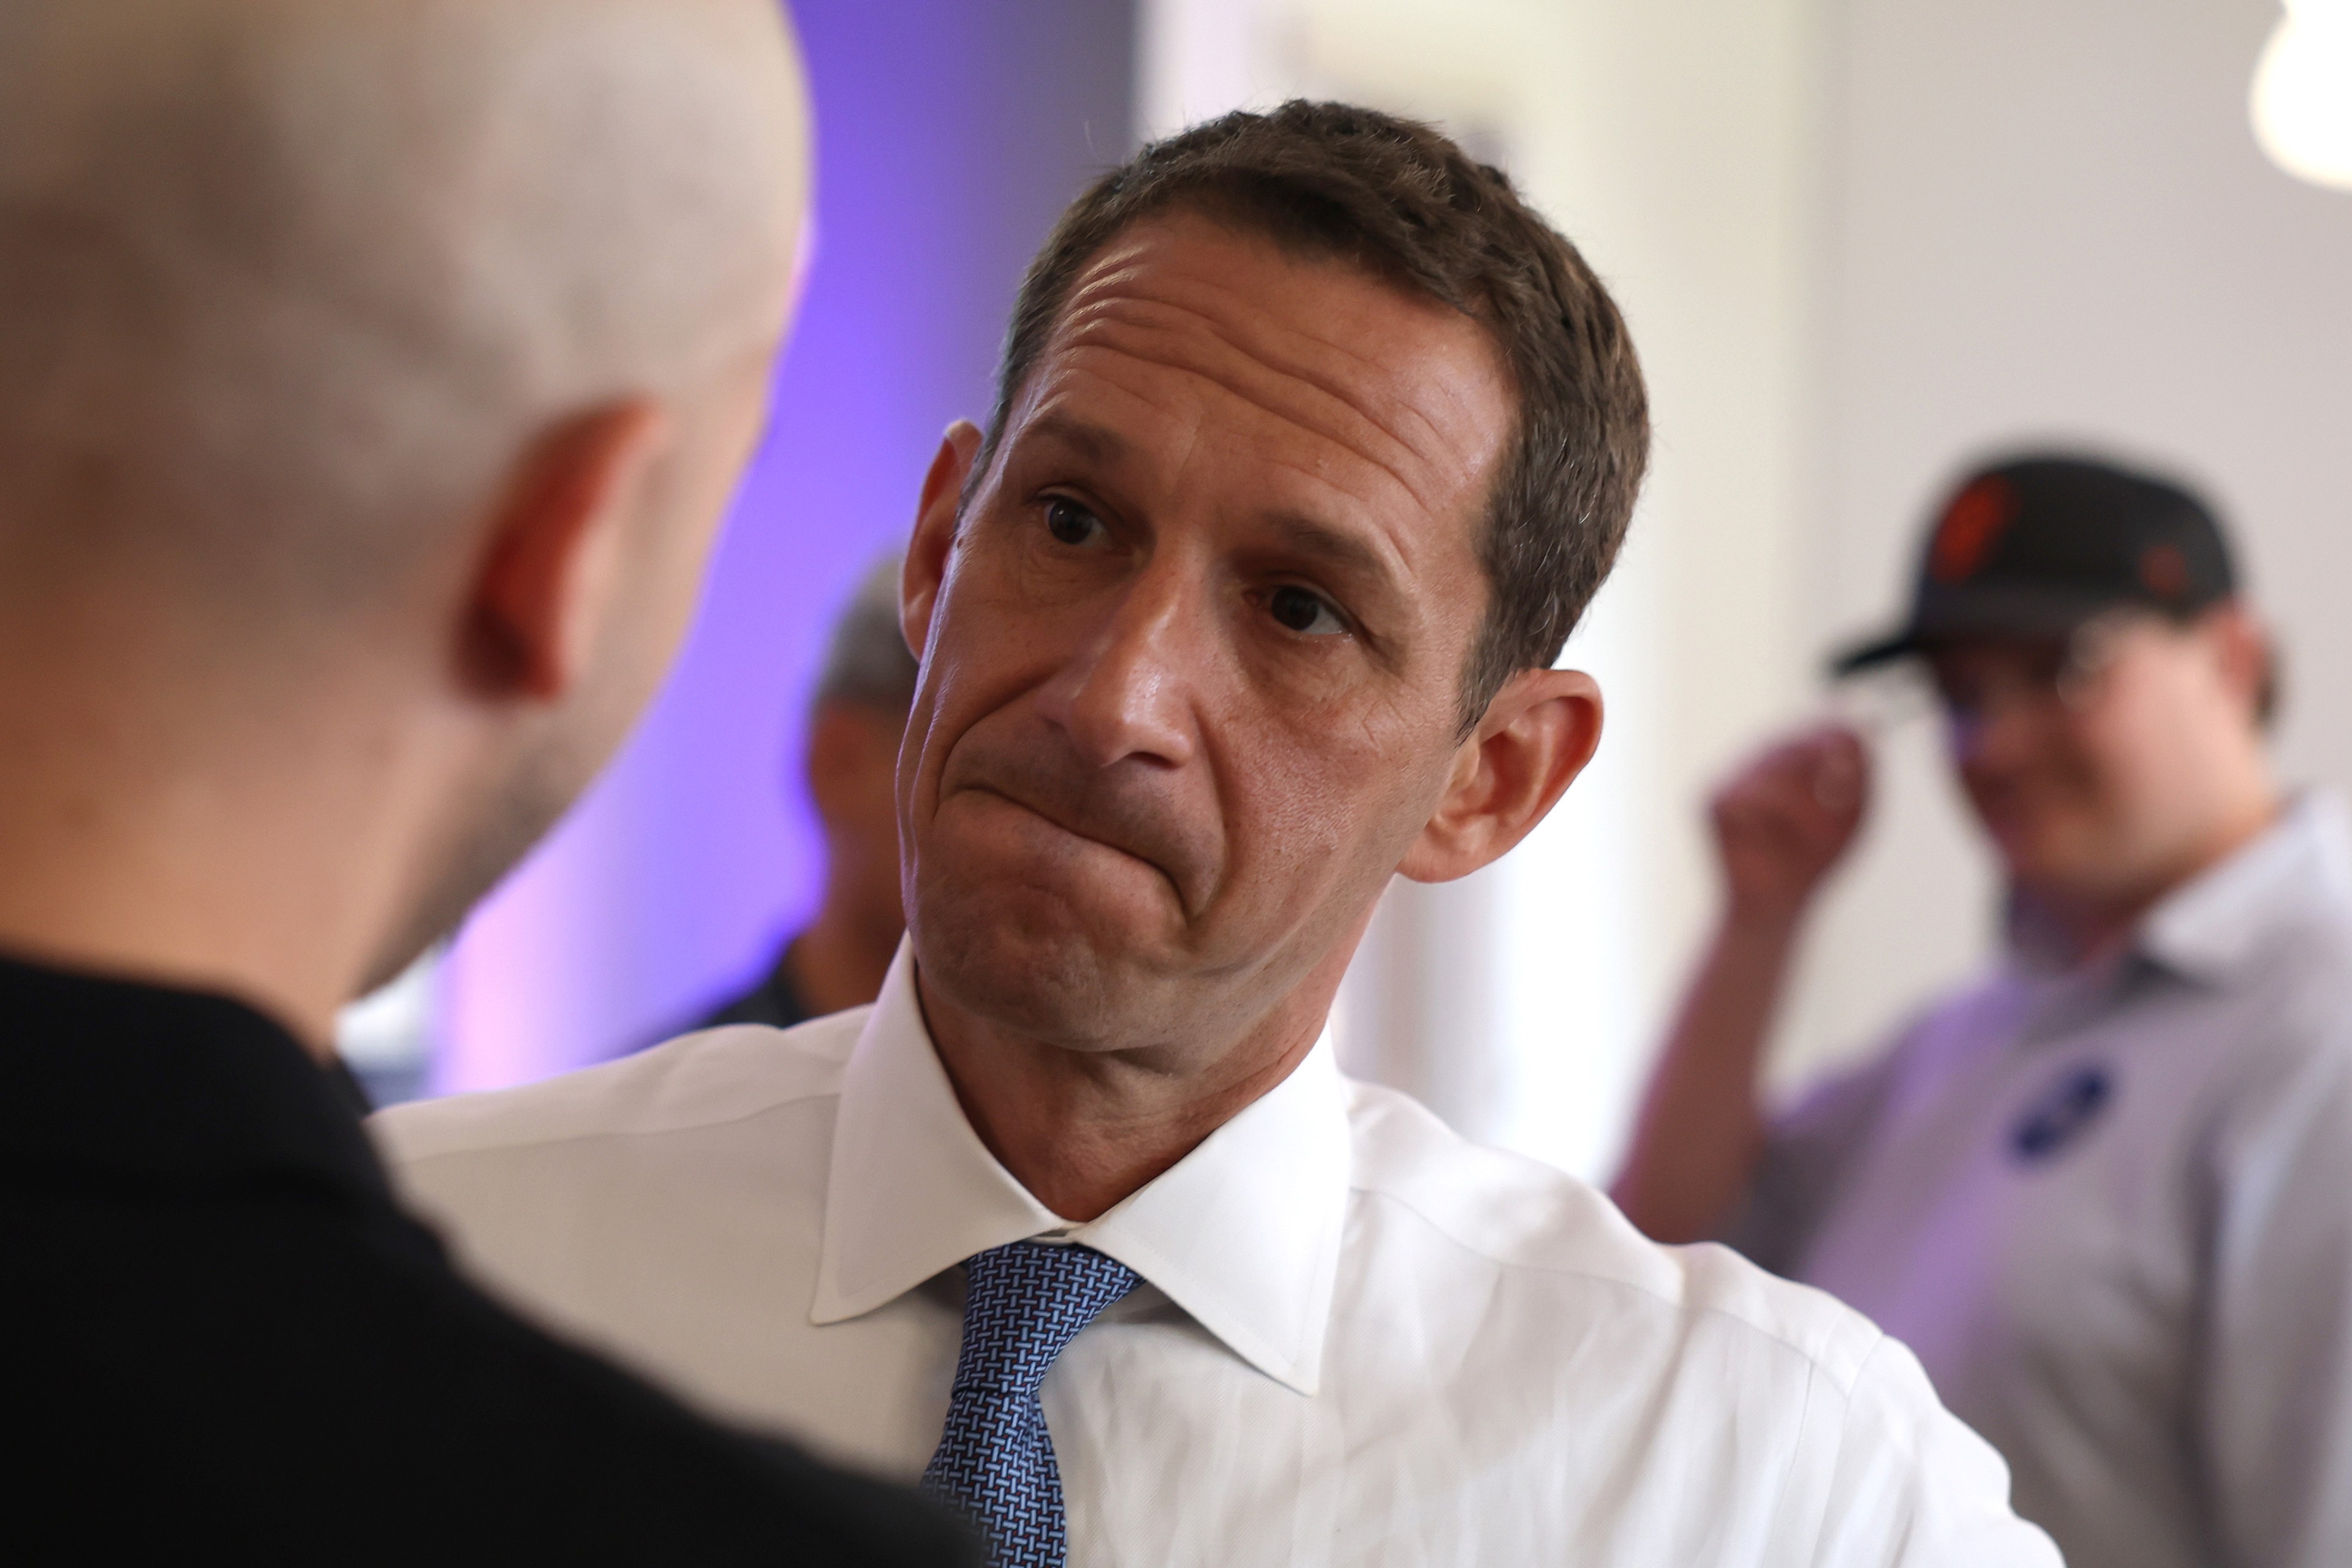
287, 284
374, 374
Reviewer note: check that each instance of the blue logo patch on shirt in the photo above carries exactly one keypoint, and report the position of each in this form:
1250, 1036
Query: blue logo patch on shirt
2060, 1116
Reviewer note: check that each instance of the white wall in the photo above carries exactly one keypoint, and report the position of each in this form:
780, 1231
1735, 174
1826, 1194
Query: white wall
1858, 241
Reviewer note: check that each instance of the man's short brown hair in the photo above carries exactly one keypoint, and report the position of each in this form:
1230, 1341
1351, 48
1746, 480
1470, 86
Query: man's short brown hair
1401, 200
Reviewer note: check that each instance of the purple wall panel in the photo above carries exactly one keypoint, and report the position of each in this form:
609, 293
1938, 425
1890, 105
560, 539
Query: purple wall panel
949, 137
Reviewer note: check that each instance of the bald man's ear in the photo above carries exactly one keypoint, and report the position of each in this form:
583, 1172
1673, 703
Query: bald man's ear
545, 582
1535, 738
926, 566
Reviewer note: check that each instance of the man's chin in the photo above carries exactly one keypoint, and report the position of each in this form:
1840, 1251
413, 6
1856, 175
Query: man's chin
2059, 863
1049, 980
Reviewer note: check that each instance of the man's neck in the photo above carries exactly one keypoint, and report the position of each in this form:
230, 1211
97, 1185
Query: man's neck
2082, 931
1084, 1129
149, 844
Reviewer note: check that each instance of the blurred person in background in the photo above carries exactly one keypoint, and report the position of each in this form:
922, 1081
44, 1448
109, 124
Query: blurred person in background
2105, 1191
1311, 443
372, 379
857, 719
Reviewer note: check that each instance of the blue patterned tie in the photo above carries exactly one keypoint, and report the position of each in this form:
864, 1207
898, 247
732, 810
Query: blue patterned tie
1023, 1304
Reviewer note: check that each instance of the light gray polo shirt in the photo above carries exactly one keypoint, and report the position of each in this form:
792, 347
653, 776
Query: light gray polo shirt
2111, 1210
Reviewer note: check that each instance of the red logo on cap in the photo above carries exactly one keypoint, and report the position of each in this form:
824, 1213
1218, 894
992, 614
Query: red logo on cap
1972, 524
2165, 571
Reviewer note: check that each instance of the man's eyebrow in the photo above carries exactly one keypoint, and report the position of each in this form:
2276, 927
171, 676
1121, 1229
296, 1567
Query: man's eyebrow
1343, 548
1097, 443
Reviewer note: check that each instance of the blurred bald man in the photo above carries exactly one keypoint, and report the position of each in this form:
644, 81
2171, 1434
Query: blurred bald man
373, 377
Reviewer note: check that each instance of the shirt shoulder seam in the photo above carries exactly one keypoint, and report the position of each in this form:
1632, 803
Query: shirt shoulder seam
595, 1135
452, 1143
1865, 1346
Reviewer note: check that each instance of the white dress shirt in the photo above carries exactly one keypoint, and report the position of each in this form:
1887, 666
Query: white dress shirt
1361, 1340
2112, 1211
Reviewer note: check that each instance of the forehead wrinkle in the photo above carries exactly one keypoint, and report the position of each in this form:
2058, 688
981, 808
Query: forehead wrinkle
1237, 386
1265, 346
1047, 412
1149, 317
1300, 368
1164, 315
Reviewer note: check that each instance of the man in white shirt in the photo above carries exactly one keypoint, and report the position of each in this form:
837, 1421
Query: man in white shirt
2105, 1191
1311, 445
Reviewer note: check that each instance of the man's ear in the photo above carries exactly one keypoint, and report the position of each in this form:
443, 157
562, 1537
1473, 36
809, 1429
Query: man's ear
926, 566
2243, 652
1535, 738
541, 591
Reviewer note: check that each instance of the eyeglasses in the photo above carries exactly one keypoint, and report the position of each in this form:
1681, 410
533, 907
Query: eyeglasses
2063, 676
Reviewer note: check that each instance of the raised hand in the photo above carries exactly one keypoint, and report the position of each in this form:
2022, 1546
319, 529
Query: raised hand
1784, 819
1780, 823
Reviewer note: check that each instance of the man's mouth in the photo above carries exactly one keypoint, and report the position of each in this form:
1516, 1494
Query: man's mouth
1084, 831
1053, 820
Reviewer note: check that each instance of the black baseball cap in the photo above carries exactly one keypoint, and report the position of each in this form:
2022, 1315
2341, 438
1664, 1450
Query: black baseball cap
2037, 545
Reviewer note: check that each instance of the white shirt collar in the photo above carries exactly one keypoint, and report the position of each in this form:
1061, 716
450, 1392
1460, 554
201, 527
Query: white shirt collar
1242, 1233
2208, 929
2301, 867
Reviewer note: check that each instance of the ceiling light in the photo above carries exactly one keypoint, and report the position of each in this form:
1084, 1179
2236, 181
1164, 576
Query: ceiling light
2302, 93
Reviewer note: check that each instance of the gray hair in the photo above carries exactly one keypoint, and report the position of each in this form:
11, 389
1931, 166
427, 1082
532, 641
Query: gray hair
867, 662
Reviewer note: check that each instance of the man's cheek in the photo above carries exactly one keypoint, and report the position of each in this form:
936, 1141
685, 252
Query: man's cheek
1326, 817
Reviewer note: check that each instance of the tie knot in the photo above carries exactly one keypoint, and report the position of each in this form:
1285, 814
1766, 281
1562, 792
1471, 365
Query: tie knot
1023, 1304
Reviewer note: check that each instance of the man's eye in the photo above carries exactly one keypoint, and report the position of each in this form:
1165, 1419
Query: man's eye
1069, 522
1307, 611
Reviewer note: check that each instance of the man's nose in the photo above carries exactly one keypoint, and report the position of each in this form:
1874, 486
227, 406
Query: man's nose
1128, 691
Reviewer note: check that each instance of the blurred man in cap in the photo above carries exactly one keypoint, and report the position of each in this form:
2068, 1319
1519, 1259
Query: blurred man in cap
373, 377
2105, 1191
1312, 442
857, 719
